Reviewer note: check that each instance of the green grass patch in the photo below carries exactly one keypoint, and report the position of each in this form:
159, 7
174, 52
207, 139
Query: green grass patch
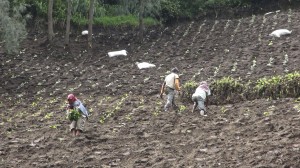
113, 21
79, 20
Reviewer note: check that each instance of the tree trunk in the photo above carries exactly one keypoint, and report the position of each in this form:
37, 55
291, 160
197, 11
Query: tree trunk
50, 20
141, 20
67, 39
91, 14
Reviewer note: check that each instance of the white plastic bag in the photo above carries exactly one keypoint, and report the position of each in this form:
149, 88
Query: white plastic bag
117, 53
280, 32
84, 32
144, 65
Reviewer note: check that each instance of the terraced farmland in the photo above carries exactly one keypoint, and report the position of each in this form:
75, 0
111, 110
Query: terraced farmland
127, 127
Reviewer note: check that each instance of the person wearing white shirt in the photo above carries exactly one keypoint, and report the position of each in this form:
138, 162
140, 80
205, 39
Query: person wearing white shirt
171, 83
200, 97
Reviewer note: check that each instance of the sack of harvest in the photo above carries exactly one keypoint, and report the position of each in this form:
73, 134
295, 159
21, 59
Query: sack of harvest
74, 115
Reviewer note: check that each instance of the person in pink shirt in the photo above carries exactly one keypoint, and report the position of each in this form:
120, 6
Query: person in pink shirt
76, 127
200, 97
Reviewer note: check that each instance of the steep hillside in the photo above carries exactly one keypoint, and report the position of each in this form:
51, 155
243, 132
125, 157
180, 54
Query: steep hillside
127, 127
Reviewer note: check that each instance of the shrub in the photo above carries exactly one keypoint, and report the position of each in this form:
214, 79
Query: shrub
269, 87
291, 86
12, 26
227, 90
279, 86
170, 9
230, 90
187, 90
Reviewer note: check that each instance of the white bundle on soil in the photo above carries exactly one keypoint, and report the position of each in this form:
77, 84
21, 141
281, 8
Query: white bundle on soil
84, 32
117, 53
144, 65
280, 32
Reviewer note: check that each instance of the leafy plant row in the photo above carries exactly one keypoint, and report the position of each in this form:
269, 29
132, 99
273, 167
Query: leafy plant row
231, 90
115, 108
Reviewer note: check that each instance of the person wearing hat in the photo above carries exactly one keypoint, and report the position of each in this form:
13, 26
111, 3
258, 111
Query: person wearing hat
200, 97
171, 83
77, 126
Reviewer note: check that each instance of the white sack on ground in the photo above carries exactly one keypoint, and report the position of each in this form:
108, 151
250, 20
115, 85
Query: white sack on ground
280, 32
144, 65
84, 32
117, 53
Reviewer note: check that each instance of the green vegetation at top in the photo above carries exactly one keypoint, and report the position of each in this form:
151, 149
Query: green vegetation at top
106, 13
158, 10
15, 13
123, 20
12, 25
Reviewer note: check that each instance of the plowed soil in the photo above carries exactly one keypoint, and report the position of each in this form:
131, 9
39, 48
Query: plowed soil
127, 127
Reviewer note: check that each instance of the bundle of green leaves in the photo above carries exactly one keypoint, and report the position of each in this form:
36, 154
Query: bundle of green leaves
74, 115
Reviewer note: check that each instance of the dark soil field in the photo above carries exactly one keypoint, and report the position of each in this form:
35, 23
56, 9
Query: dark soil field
127, 127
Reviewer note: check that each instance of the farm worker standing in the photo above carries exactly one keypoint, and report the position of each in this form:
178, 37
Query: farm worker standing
77, 113
171, 83
200, 97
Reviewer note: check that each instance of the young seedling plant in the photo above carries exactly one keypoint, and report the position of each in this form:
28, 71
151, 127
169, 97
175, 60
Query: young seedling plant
234, 66
157, 109
128, 117
286, 60
297, 105
236, 29
198, 32
115, 108
182, 108
271, 59
196, 74
216, 70
262, 27
212, 30
275, 19
269, 111
227, 25
290, 16
252, 20
186, 32
223, 109
173, 34
158, 39
252, 66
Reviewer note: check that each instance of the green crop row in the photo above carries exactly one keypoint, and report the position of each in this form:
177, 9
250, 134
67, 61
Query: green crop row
231, 90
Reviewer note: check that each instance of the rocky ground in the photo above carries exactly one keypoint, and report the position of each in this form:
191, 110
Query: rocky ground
127, 127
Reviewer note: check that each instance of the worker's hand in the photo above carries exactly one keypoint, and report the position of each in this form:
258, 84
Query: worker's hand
161, 95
